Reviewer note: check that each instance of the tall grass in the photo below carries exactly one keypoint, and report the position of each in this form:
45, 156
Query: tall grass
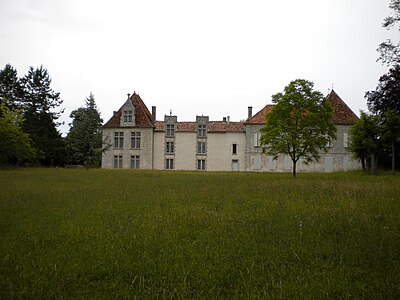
124, 234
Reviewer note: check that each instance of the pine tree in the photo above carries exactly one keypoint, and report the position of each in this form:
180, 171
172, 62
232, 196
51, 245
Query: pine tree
11, 92
40, 102
84, 140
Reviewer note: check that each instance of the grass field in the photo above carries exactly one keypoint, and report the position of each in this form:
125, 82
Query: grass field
123, 234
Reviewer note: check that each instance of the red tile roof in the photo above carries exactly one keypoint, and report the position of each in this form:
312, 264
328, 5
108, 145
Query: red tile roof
259, 118
142, 115
342, 114
213, 126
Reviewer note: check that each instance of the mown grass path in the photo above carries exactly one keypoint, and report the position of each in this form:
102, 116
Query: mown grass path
105, 234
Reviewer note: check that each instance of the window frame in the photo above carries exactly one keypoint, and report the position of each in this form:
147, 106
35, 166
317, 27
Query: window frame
201, 147
201, 164
170, 147
118, 161
135, 162
118, 140
201, 130
136, 139
169, 164
170, 130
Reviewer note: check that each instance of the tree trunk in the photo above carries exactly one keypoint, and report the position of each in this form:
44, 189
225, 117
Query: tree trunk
393, 158
363, 166
294, 167
373, 163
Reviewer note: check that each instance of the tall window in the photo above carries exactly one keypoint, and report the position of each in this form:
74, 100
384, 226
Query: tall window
169, 149
201, 147
201, 130
135, 140
256, 140
234, 148
170, 130
169, 164
345, 140
117, 161
127, 116
135, 162
201, 164
118, 140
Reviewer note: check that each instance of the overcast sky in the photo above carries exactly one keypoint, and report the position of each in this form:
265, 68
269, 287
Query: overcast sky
208, 57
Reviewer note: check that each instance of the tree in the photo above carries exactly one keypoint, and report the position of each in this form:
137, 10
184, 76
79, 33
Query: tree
11, 92
40, 102
299, 125
15, 145
84, 140
385, 103
390, 52
365, 139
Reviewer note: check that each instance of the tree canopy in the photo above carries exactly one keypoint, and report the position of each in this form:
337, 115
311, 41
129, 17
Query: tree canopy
299, 125
84, 140
389, 50
15, 145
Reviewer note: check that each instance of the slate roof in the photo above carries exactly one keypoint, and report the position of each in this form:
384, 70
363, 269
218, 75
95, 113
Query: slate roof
213, 126
142, 115
342, 114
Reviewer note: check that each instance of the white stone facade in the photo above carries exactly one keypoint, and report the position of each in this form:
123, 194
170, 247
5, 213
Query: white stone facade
137, 141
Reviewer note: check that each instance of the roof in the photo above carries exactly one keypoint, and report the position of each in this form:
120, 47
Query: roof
342, 114
142, 115
259, 118
213, 126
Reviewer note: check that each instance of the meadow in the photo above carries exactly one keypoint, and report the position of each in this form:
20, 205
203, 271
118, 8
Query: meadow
106, 234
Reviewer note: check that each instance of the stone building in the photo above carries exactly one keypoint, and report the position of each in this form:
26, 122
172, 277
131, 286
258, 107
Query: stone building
136, 140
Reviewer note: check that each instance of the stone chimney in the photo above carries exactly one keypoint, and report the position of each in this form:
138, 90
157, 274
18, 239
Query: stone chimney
224, 119
153, 113
227, 119
249, 112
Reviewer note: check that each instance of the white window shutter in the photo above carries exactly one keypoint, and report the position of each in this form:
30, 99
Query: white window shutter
345, 139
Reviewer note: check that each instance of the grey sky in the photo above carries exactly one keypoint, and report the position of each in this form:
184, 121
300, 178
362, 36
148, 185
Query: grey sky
210, 57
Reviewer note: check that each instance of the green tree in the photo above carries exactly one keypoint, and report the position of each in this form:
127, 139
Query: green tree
365, 139
40, 102
15, 145
385, 103
299, 125
84, 140
389, 51
11, 92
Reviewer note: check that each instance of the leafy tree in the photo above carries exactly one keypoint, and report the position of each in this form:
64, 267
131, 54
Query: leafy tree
365, 139
385, 103
84, 140
15, 145
40, 102
390, 52
11, 91
299, 125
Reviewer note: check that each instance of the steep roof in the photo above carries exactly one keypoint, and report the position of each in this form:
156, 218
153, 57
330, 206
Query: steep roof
142, 115
342, 114
259, 118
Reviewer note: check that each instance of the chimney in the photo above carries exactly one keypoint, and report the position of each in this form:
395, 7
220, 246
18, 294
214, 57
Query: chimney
227, 119
224, 119
153, 113
114, 113
129, 95
249, 112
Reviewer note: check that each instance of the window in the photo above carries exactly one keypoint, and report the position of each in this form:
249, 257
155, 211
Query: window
170, 130
257, 137
201, 147
345, 140
201, 130
117, 161
169, 164
127, 117
234, 148
135, 140
135, 162
201, 164
169, 149
119, 140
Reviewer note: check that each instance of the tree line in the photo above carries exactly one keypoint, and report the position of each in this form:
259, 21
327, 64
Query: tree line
29, 114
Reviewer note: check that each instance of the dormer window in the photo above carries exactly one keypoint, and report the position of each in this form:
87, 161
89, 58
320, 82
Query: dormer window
127, 117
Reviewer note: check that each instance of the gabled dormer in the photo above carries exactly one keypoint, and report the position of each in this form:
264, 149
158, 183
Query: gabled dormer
127, 113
